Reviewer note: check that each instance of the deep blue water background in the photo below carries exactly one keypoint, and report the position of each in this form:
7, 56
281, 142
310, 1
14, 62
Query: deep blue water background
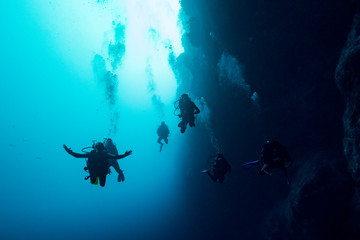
289, 53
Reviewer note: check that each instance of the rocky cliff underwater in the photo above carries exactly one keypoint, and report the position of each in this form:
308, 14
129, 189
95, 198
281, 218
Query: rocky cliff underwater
324, 202
302, 47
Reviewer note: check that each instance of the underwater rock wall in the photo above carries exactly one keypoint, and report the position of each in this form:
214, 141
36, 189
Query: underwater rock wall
319, 204
348, 80
299, 44
324, 201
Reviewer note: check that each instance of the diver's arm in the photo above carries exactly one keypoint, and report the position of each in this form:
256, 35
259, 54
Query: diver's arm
77, 155
127, 153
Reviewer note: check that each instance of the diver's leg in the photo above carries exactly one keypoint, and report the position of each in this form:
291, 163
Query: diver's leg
166, 140
161, 144
212, 177
183, 127
287, 177
121, 177
221, 179
93, 178
93, 175
180, 123
102, 178
265, 170
117, 168
192, 122
114, 163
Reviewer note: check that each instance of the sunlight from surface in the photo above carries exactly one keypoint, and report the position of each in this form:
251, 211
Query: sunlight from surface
62, 101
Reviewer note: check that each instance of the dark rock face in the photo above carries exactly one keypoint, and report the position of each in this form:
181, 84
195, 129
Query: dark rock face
348, 80
290, 51
318, 206
324, 202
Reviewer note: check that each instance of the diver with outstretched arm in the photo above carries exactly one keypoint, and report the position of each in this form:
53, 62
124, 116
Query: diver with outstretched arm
98, 161
87, 155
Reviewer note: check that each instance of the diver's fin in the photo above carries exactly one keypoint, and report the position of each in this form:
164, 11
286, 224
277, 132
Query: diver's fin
121, 177
250, 164
96, 181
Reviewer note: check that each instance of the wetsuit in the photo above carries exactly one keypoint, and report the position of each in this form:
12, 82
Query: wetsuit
187, 109
163, 133
220, 168
274, 155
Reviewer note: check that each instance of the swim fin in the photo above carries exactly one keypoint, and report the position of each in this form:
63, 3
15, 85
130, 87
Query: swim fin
96, 181
121, 176
250, 164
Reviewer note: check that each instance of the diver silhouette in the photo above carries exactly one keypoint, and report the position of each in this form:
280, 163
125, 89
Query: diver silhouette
111, 149
273, 155
163, 133
187, 111
219, 168
98, 161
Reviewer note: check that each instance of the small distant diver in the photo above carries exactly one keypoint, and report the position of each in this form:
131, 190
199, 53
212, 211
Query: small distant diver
163, 133
98, 161
110, 148
187, 111
273, 155
219, 168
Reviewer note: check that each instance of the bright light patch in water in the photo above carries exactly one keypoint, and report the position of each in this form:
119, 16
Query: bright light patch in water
152, 34
62, 101
146, 86
153, 31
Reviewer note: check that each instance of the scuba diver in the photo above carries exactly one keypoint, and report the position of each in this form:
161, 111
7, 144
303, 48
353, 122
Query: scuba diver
98, 161
111, 149
187, 111
163, 133
219, 168
273, 155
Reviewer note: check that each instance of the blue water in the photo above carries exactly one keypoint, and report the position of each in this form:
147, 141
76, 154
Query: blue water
76, 71
50, 97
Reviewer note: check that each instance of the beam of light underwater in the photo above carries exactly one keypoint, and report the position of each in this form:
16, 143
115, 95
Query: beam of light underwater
76, 31
152, 33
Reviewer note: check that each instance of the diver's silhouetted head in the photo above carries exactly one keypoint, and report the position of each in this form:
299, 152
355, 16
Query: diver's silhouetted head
99, 146
185, 95
162, 123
